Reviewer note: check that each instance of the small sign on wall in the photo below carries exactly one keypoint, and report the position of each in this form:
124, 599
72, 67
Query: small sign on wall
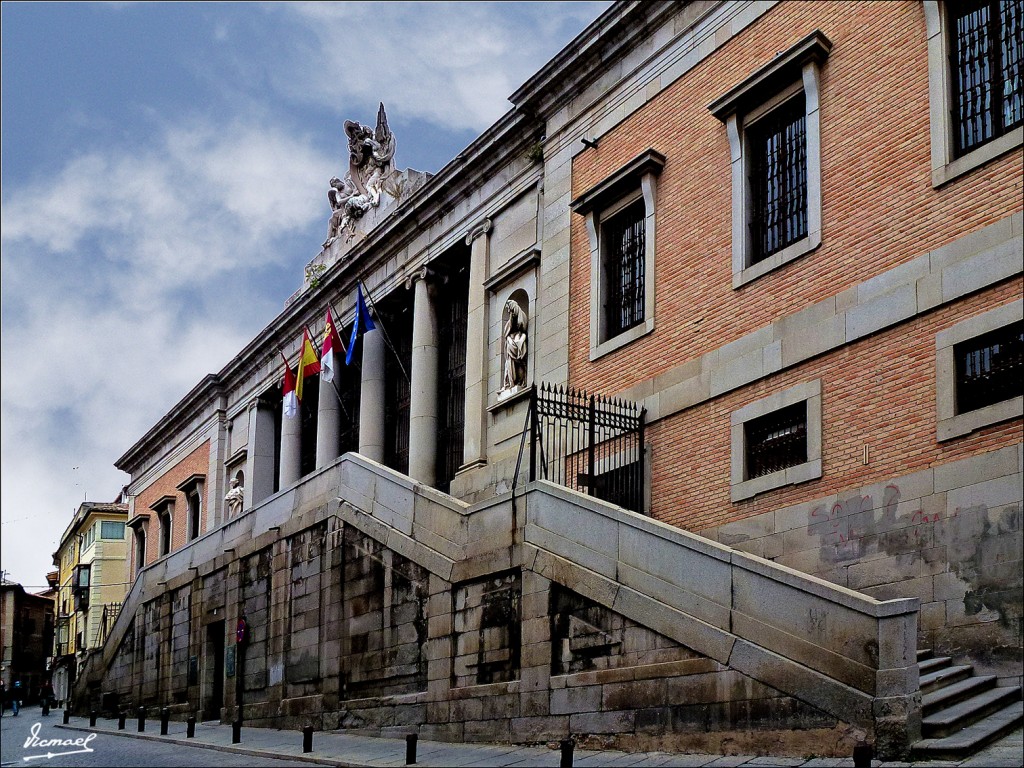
229, 661
193, 670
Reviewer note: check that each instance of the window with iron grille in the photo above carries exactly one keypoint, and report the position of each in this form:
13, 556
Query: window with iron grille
452, 381
986, 48
989, 368
778, 179
622, 237
776, 440
397, 364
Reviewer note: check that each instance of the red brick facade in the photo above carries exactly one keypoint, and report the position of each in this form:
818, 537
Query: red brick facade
879, 210
196, 463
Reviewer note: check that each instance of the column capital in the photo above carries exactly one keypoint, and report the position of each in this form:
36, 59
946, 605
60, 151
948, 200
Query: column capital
417, 275
479, 229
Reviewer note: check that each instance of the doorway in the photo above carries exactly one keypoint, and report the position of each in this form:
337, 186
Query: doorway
213, 684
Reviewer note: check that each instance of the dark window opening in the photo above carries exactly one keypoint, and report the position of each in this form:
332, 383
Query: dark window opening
622, 240
989, 368
309, 410
165, 533
397, 367
347, 383
778, 179
622, 485
140, 550
986, 48
451, 382
776, 440
193, 515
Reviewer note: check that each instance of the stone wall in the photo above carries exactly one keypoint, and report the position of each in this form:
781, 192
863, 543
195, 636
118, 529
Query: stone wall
571, 618
950, 536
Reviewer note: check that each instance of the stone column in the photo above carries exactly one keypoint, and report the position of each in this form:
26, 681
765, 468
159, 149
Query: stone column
259, 456
328, 438
291, 449
423, 396
473, 452
371, 397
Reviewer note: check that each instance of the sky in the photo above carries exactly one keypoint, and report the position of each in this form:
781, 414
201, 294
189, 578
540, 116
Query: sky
163, 177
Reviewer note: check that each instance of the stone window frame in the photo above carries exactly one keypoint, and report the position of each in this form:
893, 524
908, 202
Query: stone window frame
193, 487
740, 487
795, 71
164, 509
945, 165
636, 180
949, 423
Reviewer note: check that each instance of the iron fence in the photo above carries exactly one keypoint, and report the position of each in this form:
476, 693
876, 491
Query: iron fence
590, 443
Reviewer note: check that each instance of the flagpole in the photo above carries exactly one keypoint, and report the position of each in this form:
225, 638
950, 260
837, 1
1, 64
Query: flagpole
384, 331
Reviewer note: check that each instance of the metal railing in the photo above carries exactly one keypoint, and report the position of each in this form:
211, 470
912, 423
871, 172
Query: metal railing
590, 443
107, 619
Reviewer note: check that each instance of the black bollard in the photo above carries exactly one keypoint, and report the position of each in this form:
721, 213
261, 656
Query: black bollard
410, 749
307, 739
862, 754
165, 715
92, 718
236, 732
67, 715
142, 719
190, 728
567, 747
121, 717
46, 706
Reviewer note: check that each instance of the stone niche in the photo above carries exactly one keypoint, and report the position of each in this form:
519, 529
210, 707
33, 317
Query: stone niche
384, 620
487, 619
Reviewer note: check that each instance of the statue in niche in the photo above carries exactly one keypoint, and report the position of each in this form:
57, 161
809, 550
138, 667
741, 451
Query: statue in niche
370, 167
515, 341
235, 497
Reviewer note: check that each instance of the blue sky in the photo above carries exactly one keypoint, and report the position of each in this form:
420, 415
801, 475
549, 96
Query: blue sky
163, 183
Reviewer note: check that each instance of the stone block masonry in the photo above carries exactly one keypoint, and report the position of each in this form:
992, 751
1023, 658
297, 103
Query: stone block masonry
350, 625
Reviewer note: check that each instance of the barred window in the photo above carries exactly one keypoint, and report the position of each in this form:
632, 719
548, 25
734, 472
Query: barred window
778, 179
622, 237
776, 440
986, 48
989, 368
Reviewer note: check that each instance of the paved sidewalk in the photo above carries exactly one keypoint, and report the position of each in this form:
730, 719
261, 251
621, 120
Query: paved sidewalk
345, 749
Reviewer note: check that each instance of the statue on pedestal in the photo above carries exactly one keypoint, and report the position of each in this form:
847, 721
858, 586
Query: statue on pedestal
235, 498
514, 372
370, 166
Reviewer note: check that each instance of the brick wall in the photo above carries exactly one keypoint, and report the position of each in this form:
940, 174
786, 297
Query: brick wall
196, 463
879, 208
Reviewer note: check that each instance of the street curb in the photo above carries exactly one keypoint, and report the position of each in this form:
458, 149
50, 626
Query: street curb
305, 758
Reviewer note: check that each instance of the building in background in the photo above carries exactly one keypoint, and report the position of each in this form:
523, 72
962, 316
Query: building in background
93, 580
26, 638
684, 409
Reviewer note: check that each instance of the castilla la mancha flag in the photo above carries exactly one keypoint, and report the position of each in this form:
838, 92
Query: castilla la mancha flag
308, 363
332, 342
291, 402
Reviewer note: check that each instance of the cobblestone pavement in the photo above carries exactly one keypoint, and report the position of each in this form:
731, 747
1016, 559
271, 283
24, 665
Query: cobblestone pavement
270, 747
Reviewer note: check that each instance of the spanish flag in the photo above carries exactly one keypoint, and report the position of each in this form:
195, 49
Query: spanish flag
308, 363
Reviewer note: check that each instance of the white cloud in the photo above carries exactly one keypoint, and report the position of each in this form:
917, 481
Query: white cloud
454, 64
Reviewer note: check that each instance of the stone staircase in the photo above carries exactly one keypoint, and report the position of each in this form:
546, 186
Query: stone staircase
962, 711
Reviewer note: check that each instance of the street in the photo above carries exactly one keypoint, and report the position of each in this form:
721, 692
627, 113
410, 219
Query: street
28, 740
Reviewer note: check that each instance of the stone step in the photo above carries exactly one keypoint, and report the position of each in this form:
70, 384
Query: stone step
949, 695
924, 653
972, 738
966, 713
945, 676
930, 665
